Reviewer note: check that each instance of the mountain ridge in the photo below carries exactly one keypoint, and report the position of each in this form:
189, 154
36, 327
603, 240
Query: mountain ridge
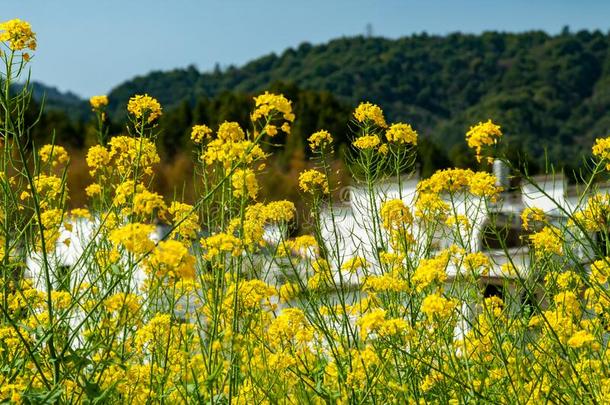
550, 93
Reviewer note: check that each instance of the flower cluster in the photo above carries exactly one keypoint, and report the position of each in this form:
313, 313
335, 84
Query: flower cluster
367, 112
367, 142
436, 306
98, 102
395, 214
313, 181
144, 107
18, 34
53, 155
268, 105
481, 184
172, 259
595, 216
548, 240
134, 237
601, 150
483, 134
532, 216
231, 148
401, 134
319, 140
244, 183
431, 271
221, 243
199, 133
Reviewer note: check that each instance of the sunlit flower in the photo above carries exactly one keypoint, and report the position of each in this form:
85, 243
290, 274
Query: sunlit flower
483, 134
601, 150
18, 34
431, 271
312, 181
532, 214
370, 112
580, 339
230, 132
600, 270
98, 102
221, 243
54, 154
548, 240
184, 219
171, 259
436, 305
269, 103
401, 134
199, 133
395, 214
319, 140
134, 237
244, 183
355, 264
144, 106
279, 211
367, 142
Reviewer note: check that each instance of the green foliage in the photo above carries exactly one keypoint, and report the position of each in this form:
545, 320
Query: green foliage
549, 93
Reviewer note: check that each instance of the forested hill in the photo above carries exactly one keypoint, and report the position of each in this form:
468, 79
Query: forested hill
547, 92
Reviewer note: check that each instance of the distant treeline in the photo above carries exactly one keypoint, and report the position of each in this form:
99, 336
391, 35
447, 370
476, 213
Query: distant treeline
549, 93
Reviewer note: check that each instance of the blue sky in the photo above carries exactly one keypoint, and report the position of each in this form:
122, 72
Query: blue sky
89, 46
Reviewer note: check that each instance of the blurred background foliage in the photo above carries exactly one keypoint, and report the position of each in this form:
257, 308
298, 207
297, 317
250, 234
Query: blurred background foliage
550, 94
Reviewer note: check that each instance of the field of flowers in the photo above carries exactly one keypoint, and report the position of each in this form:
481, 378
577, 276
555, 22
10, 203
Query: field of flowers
99, 306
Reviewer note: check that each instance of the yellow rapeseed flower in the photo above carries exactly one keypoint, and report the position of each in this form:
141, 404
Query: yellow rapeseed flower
600, 270
269, 103
280, 211
98, 102
144, 106
401, 134
548, 240
229, 153
53, 154
184, 219
354, 264
171, 258
244, 183
395, 214
482, 134
199, 133
367, 142
230, 132
431, 271
435, 305
127, 153
388, 282
319, 140
534, 214
147, 202
481, 184
601, 149
595, 216
430, 206
221, 243
312, 181
370, 112
135, 237
580, 339
93, 189
18, 34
